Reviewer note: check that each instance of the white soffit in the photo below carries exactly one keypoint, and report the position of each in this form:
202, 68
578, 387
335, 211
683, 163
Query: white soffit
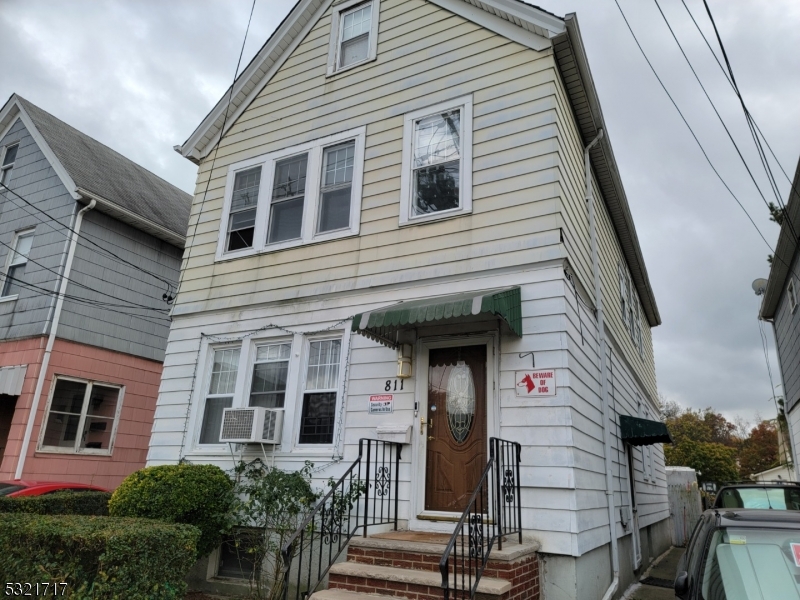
514, 19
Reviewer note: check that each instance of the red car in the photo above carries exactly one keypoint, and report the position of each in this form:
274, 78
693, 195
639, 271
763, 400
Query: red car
18, 487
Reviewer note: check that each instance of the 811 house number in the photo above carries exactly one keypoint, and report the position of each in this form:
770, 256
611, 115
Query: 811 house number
390, 387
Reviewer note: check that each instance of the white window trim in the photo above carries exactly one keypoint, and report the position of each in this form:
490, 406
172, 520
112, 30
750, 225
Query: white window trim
791, 291
336, 32
10, 257
465, 165
311, 200
295, 388
40, 447
3, 157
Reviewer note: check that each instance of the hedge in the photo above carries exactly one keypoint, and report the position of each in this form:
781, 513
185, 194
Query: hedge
98, 557
199, 495
58, 503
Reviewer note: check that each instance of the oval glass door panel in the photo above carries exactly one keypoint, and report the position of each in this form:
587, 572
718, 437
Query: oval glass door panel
460, 401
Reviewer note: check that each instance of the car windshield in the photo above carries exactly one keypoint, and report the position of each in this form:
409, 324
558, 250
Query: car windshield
777, 498
752, 564
8, 488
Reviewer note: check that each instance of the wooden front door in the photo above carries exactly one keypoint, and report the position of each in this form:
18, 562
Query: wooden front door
456, 454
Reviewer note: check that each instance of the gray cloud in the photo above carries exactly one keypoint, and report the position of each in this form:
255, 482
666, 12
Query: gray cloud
139, 76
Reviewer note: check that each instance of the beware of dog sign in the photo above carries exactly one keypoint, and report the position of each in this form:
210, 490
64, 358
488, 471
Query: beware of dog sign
536, 383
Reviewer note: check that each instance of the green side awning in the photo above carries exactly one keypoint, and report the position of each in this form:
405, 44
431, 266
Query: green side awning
643, 432
382, 325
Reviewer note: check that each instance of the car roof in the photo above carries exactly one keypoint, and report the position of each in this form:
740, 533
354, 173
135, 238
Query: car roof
754, 517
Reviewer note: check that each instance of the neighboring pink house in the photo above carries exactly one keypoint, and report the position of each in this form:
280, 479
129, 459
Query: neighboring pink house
89, 244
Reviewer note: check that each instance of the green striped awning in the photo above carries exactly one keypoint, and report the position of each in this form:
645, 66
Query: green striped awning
382, 325
643, 432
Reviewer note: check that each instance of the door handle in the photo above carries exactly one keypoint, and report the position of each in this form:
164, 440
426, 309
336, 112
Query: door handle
423, 422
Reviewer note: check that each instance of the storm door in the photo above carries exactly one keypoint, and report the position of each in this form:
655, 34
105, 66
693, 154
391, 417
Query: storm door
456, 449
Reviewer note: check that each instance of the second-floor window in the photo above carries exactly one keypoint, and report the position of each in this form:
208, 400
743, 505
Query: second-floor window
9, 157
18, 260
630, 307
354, 35
790, 291
436, 180
299, 195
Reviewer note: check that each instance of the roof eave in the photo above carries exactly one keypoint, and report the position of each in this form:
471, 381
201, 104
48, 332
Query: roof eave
785, 251
570, 54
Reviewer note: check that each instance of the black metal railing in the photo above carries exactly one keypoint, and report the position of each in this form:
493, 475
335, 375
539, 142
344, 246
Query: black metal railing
494, 511
365, 496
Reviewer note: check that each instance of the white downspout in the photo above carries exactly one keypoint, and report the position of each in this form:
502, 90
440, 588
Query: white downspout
37, 394
601, 335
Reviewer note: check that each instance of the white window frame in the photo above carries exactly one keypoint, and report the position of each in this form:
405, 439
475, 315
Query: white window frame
40, 447
465, 165
311, 201
10, 260
207, 362
301, 387
334, 46
9, 167
792, 293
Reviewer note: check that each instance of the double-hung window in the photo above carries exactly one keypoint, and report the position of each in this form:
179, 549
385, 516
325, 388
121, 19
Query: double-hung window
18, 259
82, 417
792, 294
270, 371
630, 307
354, 35
299, 195
436, 180
321, 390
9, 157
221, 386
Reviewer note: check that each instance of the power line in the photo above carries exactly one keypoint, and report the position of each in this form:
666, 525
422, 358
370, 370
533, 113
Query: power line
81, 236
216, 148
773, 184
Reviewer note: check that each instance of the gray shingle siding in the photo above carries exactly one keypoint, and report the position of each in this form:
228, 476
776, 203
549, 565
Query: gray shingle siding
118, 283
787, 332
33, 178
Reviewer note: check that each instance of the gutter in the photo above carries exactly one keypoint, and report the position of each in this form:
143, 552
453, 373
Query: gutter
37, 394
604, 399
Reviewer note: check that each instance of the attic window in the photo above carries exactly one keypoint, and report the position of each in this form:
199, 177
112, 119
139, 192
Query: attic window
9, 156
354, 35
790, 291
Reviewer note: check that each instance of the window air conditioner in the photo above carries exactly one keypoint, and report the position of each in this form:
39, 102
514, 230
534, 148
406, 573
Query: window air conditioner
253, 425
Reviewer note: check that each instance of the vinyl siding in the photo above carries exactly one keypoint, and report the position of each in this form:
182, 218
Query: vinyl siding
34, 179
787, 333
117, 283
425, 56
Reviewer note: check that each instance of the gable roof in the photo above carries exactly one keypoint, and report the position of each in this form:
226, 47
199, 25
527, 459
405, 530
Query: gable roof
785, 251
517, 20
89, 169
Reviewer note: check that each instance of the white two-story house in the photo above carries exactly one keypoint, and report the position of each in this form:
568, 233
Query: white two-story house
395, 206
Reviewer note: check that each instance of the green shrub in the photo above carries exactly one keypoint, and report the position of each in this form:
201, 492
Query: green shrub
199, 495
59, 503
98, 557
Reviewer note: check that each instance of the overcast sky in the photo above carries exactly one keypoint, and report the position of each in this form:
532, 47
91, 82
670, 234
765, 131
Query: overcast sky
140, 75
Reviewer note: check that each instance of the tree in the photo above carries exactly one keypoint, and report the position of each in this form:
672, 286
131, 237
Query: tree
705, 441
760, 450
776, 215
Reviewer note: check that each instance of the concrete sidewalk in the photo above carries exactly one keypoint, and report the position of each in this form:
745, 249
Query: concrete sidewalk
663, 572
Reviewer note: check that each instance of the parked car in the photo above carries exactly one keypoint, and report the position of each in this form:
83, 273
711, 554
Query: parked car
19, 487
763, 495
742, 555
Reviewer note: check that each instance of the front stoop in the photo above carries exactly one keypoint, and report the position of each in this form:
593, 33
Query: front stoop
406, 565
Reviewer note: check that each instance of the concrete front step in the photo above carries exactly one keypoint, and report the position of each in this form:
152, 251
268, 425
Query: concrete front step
345, 595
419, 584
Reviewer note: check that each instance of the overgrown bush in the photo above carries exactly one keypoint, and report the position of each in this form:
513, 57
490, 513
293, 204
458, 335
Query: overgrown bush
98, 557
199, 495
58, 503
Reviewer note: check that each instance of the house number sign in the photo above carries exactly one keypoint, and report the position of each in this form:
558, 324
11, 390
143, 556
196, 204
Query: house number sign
536, 383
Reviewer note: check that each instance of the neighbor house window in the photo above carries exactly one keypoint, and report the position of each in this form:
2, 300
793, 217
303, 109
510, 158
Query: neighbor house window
82, 417
437, 162
224, 370
270, 372
790, 291
630, 307
299, 195
354, 39
15, 273
9, 156
321, 389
